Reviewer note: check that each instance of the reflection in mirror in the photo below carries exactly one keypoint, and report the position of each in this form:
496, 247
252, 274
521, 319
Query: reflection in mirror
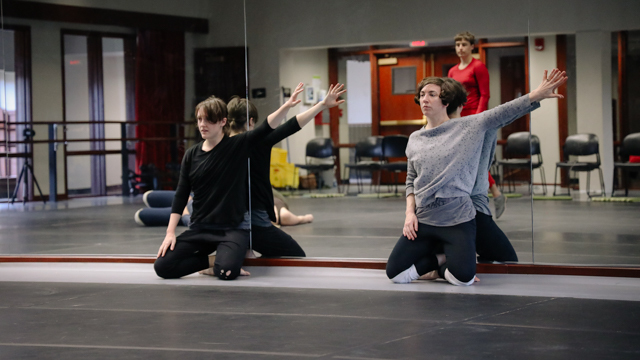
5, 165
110, 100
17, 169
589, 214
362, 219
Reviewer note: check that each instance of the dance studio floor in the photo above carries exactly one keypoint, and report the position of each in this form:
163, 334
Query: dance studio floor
105, 311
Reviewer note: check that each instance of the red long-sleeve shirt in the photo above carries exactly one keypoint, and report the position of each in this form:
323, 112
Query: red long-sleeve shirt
475, 79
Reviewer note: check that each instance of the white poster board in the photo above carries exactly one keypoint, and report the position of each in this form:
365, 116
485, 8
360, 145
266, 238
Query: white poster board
358, 92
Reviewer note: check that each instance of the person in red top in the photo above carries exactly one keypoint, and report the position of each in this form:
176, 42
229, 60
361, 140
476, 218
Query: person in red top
474, 76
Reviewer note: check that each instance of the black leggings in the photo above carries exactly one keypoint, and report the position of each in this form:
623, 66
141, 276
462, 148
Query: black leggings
457, 242
192, 250
272, 242
491, 243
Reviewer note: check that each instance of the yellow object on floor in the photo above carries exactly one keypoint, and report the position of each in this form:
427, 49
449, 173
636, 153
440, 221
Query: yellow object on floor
282, 174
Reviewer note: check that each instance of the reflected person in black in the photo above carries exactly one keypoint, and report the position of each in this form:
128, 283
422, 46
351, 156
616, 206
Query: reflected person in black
443, 164
215, 172
267, 239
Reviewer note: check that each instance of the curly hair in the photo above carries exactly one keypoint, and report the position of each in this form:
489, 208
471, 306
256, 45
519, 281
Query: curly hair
451, 92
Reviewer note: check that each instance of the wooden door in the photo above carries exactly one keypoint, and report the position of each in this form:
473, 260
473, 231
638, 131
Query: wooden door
399, 114
397, 108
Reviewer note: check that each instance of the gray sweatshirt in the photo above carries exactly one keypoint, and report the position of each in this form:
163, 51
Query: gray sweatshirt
481, 187
443, 163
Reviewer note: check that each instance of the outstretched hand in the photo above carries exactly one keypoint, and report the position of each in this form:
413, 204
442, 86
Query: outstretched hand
331, 100
293, 100
548, 86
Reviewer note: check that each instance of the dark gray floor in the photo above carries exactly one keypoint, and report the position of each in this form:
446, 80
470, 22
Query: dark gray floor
104, 321
565, 232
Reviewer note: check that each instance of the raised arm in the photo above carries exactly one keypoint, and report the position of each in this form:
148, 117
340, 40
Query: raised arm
289, 128
503, 114
329, 101
275, 118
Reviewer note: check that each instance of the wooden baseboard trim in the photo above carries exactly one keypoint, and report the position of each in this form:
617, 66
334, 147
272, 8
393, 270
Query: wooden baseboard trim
520, 269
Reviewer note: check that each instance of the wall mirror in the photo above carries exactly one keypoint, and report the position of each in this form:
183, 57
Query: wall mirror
588, 217
71, 80
380, 58
98, 102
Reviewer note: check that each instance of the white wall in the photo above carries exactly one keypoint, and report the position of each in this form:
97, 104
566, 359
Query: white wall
544, 121
593, 67
300, 66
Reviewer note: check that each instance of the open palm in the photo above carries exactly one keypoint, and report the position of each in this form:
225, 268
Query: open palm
293, 100
333, 95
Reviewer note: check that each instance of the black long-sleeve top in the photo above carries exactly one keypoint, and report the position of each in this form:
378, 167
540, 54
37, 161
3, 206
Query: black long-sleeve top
261, 193
218, 179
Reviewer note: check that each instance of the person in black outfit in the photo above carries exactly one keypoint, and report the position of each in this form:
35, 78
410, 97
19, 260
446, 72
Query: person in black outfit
215, 171
269, 240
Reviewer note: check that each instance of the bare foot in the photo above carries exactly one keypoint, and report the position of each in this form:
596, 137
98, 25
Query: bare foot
244, 272
305, 219
208, 271
431, 275
476, 279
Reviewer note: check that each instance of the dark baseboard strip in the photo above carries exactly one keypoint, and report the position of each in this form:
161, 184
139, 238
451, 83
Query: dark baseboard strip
520, 269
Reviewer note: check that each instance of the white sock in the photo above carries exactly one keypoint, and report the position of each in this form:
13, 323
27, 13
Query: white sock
406, 276
137, 218
144, 197
452, 279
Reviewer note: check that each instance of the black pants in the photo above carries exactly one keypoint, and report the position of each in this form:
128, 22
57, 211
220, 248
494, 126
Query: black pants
273, 242
193, 248
491, 243
458, 243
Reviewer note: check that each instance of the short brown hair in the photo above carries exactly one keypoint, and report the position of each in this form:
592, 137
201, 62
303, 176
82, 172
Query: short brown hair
214, 108
451, 92
459, 95
237, 110
465, 36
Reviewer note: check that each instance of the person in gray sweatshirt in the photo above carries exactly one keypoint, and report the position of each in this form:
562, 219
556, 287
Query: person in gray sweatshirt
443, 162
